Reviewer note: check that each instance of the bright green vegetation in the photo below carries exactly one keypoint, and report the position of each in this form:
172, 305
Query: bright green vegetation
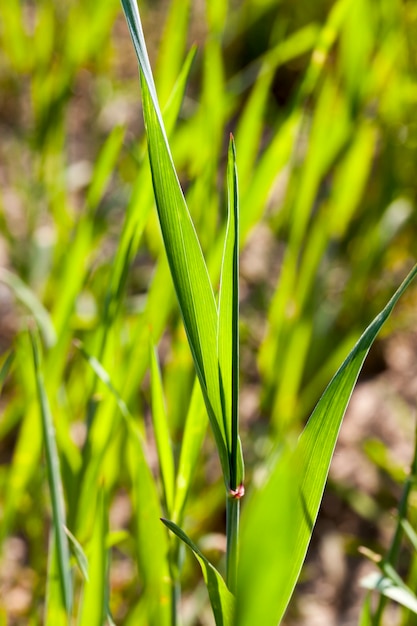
123, 395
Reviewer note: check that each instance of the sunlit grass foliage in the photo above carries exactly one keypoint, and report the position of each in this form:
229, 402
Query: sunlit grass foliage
285, 134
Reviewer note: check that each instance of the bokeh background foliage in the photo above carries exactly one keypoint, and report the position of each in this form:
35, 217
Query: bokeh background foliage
321, 99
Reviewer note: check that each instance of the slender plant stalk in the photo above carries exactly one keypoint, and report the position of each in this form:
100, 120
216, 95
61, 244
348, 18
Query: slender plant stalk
232, 538
394, 550
229, 364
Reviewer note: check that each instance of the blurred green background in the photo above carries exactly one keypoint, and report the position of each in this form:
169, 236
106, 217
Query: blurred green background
321, 98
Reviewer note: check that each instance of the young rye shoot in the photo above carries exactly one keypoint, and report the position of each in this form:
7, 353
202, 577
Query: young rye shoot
279, 517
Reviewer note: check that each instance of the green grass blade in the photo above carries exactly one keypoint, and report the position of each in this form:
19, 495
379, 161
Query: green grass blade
139, 207
267, 543
28, 447
228, 351
161, 430
188, 268
325, 43
273, 159
15, 40
187, 264
309, 465
192, 440
93, 607
317, 442
222, 601
410, 533
150, 538
136, 32
55, 484
78, 554
365, 618
182, 247
228, 320
54, 611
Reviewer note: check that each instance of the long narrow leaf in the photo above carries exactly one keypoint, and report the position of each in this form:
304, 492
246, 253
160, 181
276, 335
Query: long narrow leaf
192, 440
228, 322
151, 540
267, 544
93, 606
318, 440
222, 601
162, 437
188, 268
79, 554
54, 610
55, 484
187, 264
310, 465
139, 207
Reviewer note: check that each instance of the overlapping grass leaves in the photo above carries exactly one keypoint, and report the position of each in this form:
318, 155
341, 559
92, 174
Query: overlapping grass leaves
295, 488
212, 335
188, 268
222, 601
61, 548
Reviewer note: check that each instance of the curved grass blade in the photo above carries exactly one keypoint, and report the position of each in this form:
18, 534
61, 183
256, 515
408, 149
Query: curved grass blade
78, 554
228, 356
55, 484
221, 600
188, 269
28, 447
136, 32
365, 618
138, 209
187, 265
310, 465
150, 539
54, 613
318, 440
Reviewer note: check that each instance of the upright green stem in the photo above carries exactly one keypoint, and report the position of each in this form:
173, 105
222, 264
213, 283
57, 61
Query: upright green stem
232, 539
